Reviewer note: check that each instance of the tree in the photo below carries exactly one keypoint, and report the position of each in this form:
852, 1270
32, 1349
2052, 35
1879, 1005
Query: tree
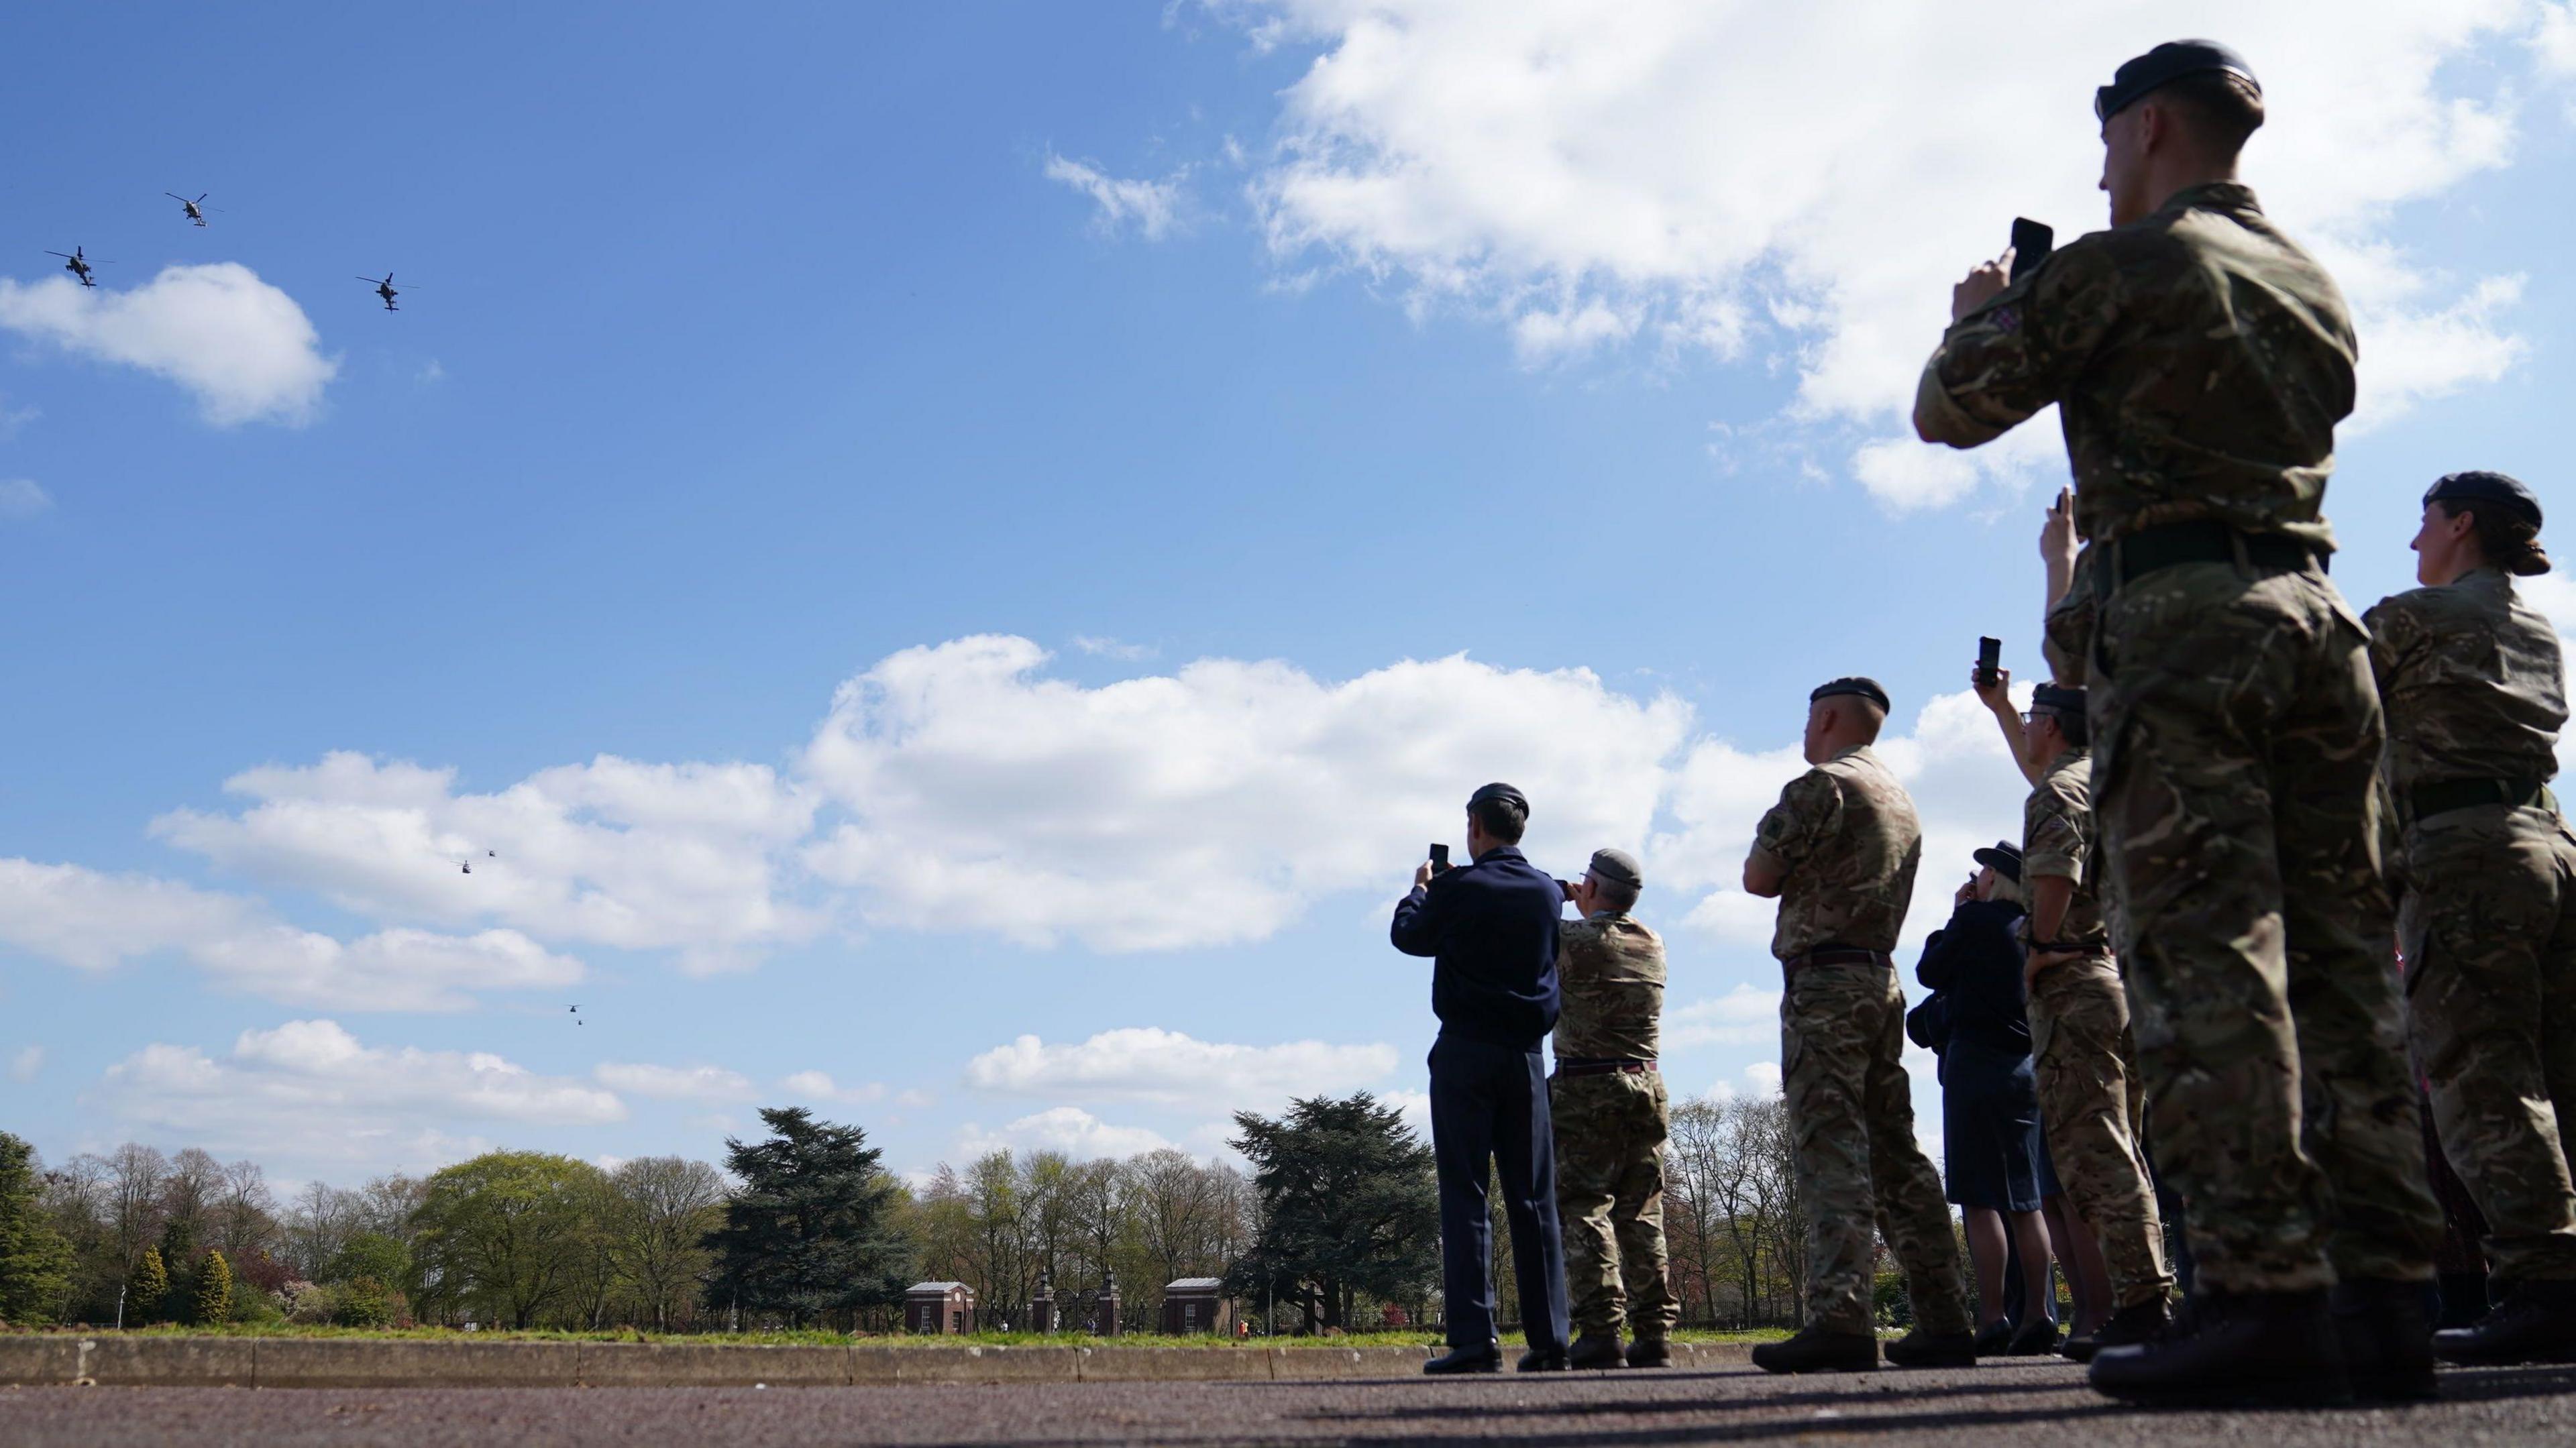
134, 1200
370, 1254
35, 1257
1349, 1206
145, 1288
811, 1230
666, 1206
214, 1304
505, 1233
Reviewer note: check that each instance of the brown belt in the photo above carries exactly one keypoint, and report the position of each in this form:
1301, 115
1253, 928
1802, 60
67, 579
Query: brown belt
1840, 955
1603, 1068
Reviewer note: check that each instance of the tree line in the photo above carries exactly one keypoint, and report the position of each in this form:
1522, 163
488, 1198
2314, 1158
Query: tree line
1336, 1223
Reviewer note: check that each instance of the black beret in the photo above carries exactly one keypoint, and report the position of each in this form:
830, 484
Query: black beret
2004, 858
1618, 867
2483, 487
1860, 687
2163, 66
1503, 793
2056, 700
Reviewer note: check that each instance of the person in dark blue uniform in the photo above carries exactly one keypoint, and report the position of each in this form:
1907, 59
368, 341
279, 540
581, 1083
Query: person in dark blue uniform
1490, 927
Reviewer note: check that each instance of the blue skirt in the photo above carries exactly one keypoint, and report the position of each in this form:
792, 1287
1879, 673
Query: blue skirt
1992, 1154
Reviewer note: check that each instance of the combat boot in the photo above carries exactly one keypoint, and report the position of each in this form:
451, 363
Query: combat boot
1486, 1359
1650, 1352
2536, 1323
1543, 1360
1594, 1350
2386, 1335
1818, 1350
1920, 1349
2139, 1322
2241, 1349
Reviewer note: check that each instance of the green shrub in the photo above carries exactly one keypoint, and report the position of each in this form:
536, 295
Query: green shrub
214, 1298
363, 1302
145, 1287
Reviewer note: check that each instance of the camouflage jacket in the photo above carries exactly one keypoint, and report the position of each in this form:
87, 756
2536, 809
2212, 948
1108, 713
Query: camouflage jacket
2057, 841
2198, 358
2471, 679
1611, 970
1846, 835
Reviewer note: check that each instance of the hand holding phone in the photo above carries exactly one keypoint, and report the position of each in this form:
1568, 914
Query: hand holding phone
1439, 858
2031, 244
1990, 657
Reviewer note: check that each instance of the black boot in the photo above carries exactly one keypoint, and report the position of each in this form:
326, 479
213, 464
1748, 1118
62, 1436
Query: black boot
2536, 1323
1920, 1349
1594, 1350
2136, 1323
1543, 1360
2240, 1349
1650, 1352
2386, 1331
1994, 1338
1486, 1359
2038, 1338
1815, 1350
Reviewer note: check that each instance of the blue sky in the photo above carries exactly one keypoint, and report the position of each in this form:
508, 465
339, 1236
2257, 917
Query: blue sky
1207, 440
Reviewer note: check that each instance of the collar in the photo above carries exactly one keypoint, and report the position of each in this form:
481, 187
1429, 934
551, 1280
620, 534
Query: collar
2229, 196
1500, 852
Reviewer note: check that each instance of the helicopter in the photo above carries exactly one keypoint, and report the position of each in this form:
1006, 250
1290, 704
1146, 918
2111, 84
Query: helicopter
75, 262
196, 209
385, 289
465, 866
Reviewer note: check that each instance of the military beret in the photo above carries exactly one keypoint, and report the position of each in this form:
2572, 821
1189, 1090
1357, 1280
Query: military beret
2163, 66
2004, 858
2056, 700
1619, 867
1856, 686
2484, 487
1500, 793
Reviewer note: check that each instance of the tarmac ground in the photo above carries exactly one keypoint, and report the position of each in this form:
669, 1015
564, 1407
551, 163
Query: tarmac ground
2014, 1401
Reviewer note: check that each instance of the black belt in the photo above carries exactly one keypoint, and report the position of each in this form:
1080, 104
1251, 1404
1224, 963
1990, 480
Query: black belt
2446, 795
1581, 1067
1840, 955
2205, 541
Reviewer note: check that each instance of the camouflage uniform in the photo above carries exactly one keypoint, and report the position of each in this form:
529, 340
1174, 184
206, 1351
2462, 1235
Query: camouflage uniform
2199, 361
2472, 680
1846, 835
2080, 1045
1610, 1129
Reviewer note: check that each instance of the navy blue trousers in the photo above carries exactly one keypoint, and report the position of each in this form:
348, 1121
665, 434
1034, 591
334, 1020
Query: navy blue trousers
1489, 1105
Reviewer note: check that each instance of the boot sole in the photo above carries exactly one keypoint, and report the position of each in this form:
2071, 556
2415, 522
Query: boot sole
2250, 1395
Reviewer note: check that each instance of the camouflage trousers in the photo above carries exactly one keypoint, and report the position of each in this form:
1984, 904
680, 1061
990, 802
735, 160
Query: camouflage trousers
1610, 1133
1851, 1118
2236, 734
2080, 1055
2490, 931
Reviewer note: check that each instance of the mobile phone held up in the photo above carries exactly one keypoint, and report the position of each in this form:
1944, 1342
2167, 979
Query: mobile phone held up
1439, 858
1990, 658
2031, 244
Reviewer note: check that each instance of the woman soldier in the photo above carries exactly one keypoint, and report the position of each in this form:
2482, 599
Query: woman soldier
2472, 681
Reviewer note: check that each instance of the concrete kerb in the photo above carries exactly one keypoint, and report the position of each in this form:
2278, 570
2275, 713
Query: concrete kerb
339, 1362
1309, 1364
712, 1365
27, 1361
111, 1361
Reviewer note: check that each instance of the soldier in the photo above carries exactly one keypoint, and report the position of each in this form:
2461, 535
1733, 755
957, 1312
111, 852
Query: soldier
2081, 1048
1839, 852
2476, 696
2199, 361
1611, 1115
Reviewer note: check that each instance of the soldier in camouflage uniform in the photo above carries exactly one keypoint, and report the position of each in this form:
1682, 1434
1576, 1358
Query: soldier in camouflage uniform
2476, 695
1839, 851
2081, 1048
2199, 360
1607, 1100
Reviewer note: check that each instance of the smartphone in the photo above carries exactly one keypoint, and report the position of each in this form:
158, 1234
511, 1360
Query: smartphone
1439, 858
2031, 243
1990, 658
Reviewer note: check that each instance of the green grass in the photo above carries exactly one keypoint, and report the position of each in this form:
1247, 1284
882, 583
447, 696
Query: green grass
1414, 1338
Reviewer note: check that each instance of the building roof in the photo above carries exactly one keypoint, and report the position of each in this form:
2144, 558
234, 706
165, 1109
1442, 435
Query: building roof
1195, 1284
939, 1287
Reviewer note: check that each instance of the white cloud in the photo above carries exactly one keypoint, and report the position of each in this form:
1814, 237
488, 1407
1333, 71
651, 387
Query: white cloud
1745, 1016
94, 921
1153, 206
1068, 1129
244, 348
1113, 649
24, 1066
819, 1086
1665, 168
1204, 807
1760, 1079
1147, 1063
22, 498
674, 1083
614, 852
310, 1089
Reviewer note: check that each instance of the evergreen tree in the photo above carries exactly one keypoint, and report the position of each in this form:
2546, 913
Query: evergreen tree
1349, 1205
813, 1228
35, 1258
145, 1287
214, 1304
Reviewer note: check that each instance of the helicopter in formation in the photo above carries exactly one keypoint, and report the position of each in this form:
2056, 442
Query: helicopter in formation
77, 263
196, 209
385, 289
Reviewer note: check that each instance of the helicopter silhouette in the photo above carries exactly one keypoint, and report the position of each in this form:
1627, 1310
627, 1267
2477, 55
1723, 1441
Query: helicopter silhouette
466, 865
196, 209
385, 289
75, 262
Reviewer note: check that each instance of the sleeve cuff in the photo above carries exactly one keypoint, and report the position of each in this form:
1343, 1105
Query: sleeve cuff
1938, 416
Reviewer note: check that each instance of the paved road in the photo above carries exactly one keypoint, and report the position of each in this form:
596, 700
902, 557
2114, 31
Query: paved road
2000, 1403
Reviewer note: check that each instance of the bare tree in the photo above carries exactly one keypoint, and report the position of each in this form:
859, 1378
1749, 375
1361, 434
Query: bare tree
318, 1225
135, 1175
245, 1214
665, 1204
